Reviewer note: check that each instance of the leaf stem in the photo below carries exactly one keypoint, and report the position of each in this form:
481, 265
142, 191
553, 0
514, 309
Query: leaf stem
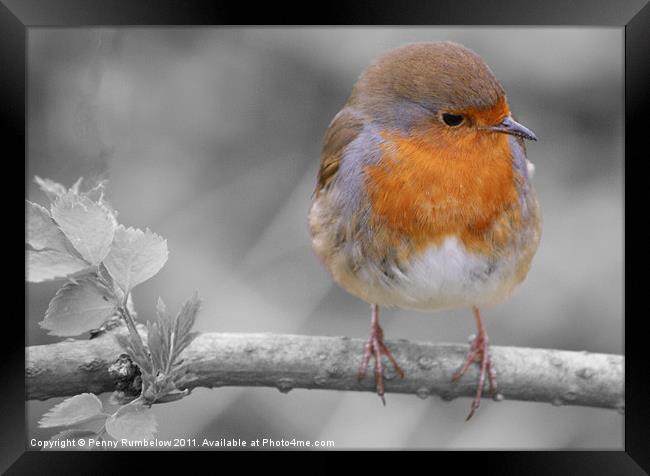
130, 323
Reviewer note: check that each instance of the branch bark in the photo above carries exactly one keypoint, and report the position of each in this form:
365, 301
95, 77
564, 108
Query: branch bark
291, 361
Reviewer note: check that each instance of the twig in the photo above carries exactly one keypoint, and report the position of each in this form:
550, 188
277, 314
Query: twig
291, 361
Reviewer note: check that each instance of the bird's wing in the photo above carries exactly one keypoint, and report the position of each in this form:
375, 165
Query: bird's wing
344, 128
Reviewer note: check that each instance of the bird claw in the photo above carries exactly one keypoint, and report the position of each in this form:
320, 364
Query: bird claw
375, 348
479, 352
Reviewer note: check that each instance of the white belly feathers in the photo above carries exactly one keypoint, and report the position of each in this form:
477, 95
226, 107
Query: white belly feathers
444, 276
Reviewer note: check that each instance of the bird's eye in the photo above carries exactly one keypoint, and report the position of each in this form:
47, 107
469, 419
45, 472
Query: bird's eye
452, 119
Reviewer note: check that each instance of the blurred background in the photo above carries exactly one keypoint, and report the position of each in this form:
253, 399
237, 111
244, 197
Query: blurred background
211, 137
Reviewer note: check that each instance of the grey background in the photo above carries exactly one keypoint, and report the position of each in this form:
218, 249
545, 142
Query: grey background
211, 137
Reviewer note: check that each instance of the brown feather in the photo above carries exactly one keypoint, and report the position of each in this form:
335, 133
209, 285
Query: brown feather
344, 128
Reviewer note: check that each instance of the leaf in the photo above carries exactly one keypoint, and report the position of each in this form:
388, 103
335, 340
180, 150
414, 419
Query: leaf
181, 381
46, 265
79, 307
113, 323
135, 256
74, 435
76, 440
75, 186
133, 422
89, 226
73, 410
49, 257
42, 231
52, 189
184, 323
158, 336
168, 337
161, 310
96, 194
158, 347
173, 396
118, 397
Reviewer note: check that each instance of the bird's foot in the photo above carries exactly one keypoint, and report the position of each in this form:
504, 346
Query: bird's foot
479, 352
375, 347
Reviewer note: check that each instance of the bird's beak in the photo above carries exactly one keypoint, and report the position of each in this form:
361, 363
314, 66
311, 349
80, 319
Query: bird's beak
512, 127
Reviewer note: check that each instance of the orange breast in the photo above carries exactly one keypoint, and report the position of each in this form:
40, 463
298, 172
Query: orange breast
429, 187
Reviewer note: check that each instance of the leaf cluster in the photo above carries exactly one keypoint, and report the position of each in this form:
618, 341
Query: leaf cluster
163, 375
78, 239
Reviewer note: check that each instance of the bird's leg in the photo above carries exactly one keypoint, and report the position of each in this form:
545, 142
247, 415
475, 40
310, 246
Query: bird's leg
479, 352
375, 347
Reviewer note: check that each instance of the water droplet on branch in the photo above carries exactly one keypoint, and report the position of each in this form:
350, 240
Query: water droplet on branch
427, 363
585, 373
285, 385
423, 393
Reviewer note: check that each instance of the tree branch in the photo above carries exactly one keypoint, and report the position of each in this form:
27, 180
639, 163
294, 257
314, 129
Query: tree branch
291, 361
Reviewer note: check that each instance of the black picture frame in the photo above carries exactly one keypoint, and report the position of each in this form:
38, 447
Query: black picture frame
16, 16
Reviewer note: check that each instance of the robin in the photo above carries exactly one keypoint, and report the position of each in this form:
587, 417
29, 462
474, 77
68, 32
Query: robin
423, 198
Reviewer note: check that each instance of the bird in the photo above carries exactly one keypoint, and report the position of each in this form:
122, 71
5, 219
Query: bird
423, 197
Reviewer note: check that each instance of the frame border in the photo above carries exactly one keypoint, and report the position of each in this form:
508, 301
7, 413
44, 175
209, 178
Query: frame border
16, 16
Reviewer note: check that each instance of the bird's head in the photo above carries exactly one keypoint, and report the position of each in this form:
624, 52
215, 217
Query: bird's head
439, 91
